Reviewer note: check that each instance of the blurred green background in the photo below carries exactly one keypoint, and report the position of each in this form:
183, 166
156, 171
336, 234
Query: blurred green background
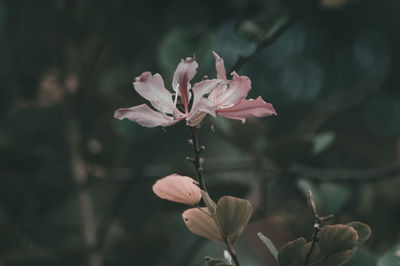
75, 184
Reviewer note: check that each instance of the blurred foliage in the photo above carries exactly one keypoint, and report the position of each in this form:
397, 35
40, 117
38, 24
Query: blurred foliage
330, 68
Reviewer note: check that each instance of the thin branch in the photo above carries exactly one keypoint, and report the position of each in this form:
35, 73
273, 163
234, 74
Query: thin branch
79, 175
318, 224
232, 251
346, 175
336, 104
197, 160
273, 35
366, 175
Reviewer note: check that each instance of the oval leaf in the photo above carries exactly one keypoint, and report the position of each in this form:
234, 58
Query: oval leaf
233, 214
271, 247
199, 222
334, 239
293, 253
390, 258
363, 230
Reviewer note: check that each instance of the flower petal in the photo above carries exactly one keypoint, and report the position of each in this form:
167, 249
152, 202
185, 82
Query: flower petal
248, 108
145, 116
237, 91
184, 73
151, 87
201, 104
204, 87
219, 66
199, 113
178, 188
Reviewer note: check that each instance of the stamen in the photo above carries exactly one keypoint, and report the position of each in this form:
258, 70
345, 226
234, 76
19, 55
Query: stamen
176, 94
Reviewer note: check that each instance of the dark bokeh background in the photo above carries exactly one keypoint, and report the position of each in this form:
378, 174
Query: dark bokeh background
75, 184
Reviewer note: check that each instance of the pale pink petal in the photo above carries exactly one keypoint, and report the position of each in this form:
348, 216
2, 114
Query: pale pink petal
204, 87
219, 66
145, 116
184, 73
201, 104
248, 108
195, 119
178, 188
199, 222
197, 114
237, 91
151, 87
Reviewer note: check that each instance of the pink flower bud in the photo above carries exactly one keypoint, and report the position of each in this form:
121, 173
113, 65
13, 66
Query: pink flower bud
177, 188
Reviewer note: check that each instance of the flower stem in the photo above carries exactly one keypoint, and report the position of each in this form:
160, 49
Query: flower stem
232, 251
319, 223
197, 160
314, 241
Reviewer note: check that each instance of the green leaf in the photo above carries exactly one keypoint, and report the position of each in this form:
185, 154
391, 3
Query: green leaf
322, 141
271, 247
209, 202
362, 257
334, 239
390, 258
233, 214
293, 253
199, 222
363, 230
213, 262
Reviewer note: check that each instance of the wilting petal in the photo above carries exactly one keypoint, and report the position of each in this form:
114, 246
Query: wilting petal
145, 116
178, 188
151, 87
237, 91
248, 108
199, 222
184, 73
219, 66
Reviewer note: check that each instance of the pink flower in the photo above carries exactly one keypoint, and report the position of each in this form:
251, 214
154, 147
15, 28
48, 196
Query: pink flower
230, 101
151, 87
177, 188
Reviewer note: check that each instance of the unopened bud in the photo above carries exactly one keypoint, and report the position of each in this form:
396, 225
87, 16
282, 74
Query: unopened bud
202, 160
190, 141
